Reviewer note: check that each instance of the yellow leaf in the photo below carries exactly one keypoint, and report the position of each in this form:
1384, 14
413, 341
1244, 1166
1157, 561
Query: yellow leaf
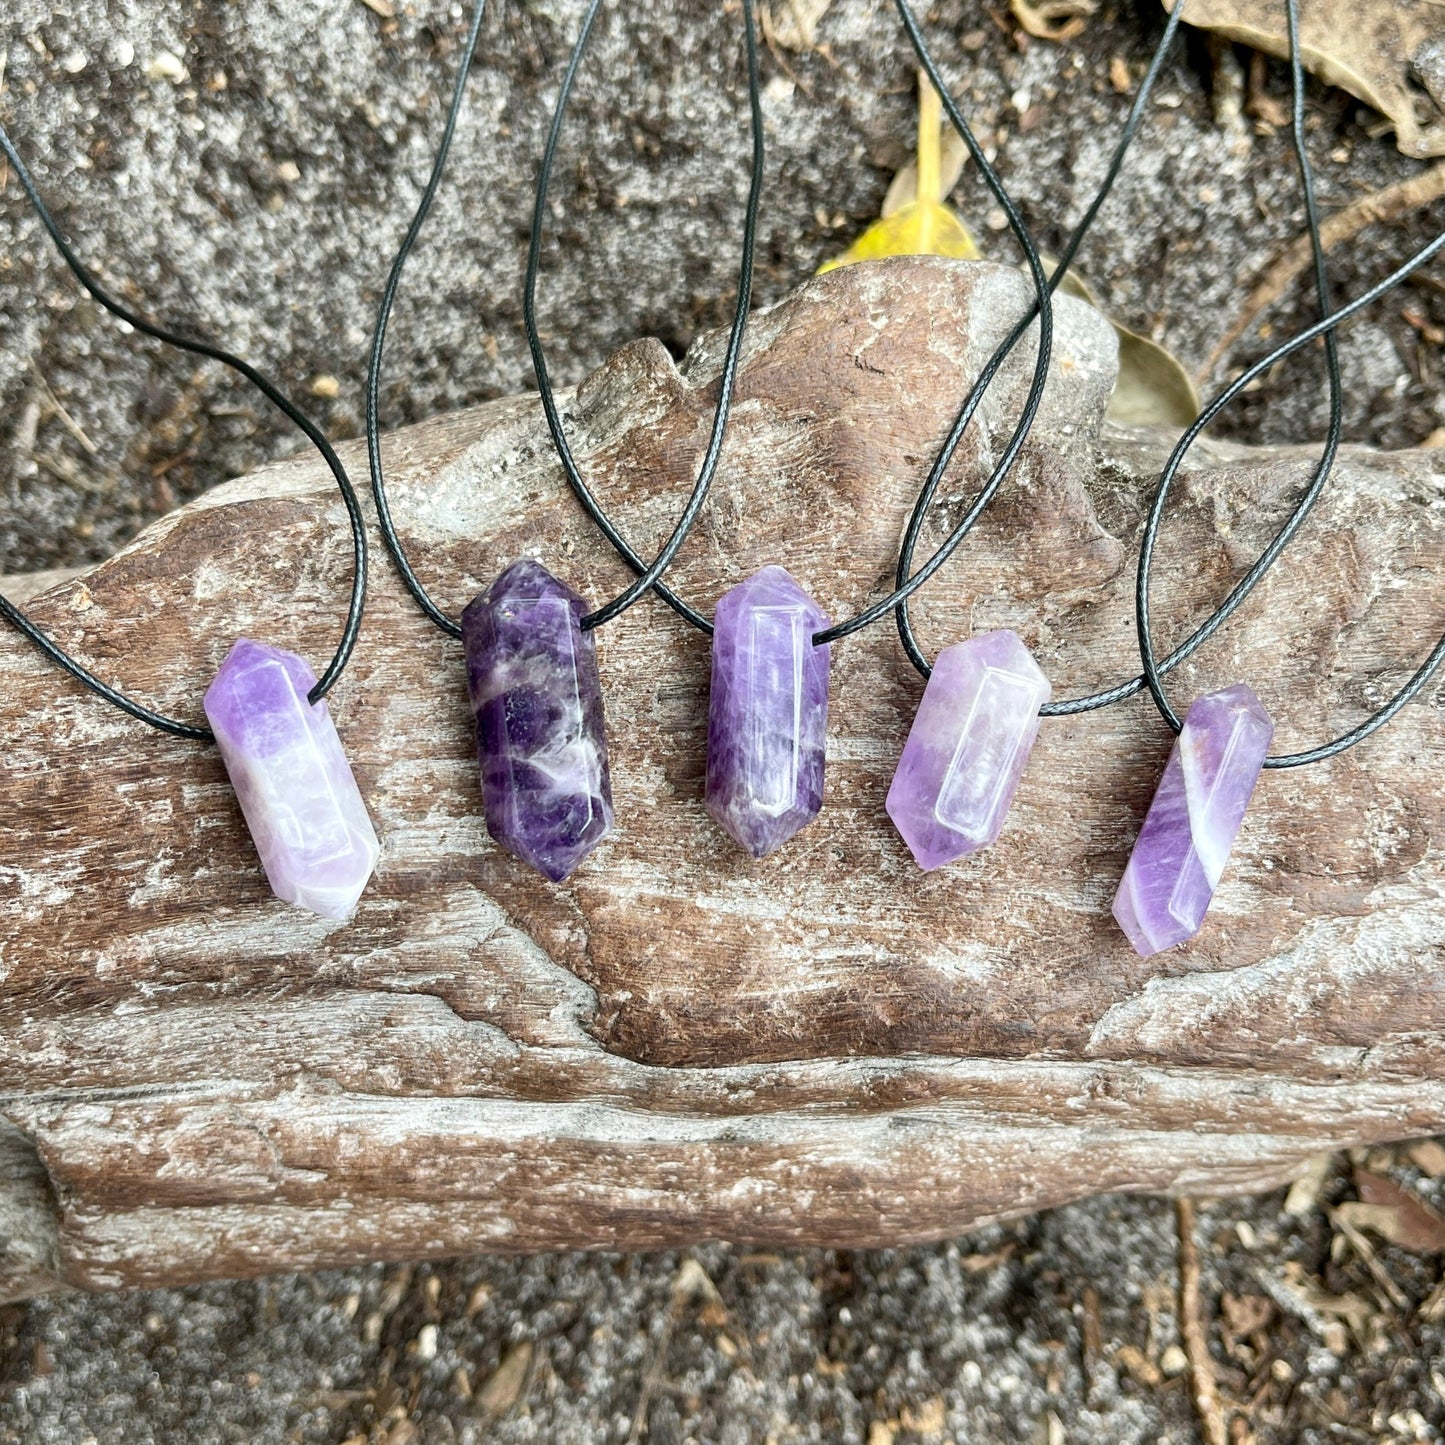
921, 229
925, 227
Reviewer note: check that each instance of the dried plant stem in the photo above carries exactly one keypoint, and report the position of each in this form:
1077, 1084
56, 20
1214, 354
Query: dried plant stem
1379, 206
1194, 1328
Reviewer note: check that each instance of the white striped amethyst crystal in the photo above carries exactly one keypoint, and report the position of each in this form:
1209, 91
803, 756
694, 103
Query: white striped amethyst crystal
537, 700
296, 789
968, 747
767, 726
1181, 850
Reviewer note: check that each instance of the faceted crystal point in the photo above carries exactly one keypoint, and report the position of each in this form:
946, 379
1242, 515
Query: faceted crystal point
1191, 825
295, 786
537, 699
768, 711
968, 747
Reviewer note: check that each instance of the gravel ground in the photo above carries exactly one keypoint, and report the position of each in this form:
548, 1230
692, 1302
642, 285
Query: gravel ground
247, 168
1060, 1328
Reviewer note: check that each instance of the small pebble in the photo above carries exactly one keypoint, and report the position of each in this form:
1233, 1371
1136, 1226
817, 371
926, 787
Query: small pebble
1173, 1361
166, 66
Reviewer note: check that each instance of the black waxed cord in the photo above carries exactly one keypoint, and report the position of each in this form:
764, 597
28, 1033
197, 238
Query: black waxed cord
1152, 668
1001, 354
1305, 505
378, 341
352, 629
1154, 671
1043, 308
648, 575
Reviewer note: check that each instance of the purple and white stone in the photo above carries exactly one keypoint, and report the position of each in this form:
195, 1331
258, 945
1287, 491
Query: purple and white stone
1181, 850
537, 700
767, 723
968, 747
296, 789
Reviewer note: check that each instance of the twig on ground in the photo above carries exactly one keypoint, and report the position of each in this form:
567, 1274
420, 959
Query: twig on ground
1194, 1330
1366, 1251
1383, 205
689, 1284
71, 425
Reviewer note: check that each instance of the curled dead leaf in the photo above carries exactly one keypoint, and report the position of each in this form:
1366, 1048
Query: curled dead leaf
952, 157
1153, 388
1056, 20
1396, 1214
504, 1388
1388, 53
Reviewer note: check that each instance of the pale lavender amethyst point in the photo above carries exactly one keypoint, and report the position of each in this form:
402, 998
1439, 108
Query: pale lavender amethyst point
296, 789
968, 747
537, 700
767, 725
1181, 850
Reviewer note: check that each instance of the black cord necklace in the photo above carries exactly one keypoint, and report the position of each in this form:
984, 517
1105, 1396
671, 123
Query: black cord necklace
265, 707
980, 713
1223, 741
531, 658
767, 715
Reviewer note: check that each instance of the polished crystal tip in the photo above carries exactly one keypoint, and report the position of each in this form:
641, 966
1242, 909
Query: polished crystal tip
1180, 853
296, 789
767, 712
537, 700
968, 747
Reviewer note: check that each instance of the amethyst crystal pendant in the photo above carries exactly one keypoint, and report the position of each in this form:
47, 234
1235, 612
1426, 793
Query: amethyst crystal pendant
537, 699
1191, 825
295, 786
968, 747
768, 711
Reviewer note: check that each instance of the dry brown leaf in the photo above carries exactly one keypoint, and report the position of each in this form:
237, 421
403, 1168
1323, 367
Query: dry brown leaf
384, 8
1388, 53
1056, 20
1395, 1214
1429, 1155
504, 1388
794, 23
952, 157
1244, 1314
1152, 388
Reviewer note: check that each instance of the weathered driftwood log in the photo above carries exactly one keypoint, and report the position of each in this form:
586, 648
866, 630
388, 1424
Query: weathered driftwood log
197, 1081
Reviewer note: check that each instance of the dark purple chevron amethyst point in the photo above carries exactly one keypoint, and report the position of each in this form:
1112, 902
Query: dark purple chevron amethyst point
537, 700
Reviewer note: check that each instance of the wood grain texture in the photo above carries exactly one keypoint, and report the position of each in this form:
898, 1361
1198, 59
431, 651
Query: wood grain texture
681, 1043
